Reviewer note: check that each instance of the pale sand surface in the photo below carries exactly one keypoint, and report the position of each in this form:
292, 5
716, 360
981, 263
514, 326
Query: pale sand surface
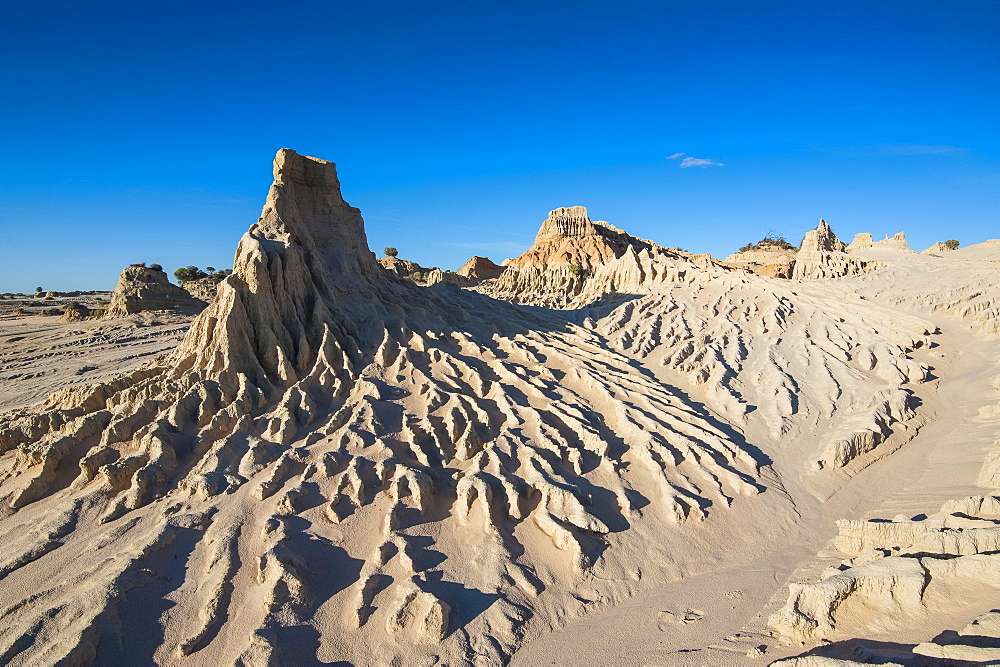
40, 354
337, 465
939, 464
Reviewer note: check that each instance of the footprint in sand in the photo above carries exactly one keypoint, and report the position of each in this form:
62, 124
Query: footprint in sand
667, 619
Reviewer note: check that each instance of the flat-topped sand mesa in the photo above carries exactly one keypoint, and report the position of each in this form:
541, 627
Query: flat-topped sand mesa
146, 288
337, 464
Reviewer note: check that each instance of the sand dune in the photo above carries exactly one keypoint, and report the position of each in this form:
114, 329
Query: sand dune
336, 464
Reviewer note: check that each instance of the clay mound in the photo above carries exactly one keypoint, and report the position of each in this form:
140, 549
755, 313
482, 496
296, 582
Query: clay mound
336, 464
936, 249
142, 288
762, 257
75, 312
822, 255
480, 269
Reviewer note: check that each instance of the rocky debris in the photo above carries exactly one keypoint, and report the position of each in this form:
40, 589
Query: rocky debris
864, 241
479, 269
401, 267
142, 288
898, 570
822, 255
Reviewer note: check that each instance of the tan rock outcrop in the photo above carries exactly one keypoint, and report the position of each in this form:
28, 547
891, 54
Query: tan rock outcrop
142, 288
401, 267
480, 269
778, 270
864, 241
822, 255
568, 247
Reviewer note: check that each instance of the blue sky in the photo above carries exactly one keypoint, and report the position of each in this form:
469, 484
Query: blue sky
145, 131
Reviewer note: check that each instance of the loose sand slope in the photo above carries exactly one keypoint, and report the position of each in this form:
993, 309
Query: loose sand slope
336, 464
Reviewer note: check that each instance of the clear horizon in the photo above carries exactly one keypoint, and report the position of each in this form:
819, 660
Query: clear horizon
146, 134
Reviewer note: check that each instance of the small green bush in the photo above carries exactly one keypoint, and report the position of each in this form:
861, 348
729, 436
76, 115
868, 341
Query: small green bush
390, 251
951, 244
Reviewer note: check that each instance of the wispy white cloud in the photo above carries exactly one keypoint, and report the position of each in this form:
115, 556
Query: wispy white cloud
694, 161
916, 149
892, 150
699, 162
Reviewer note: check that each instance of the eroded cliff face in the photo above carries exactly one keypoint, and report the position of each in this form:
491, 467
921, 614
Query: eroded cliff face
348, 465
864, 242
823, 255
568, 248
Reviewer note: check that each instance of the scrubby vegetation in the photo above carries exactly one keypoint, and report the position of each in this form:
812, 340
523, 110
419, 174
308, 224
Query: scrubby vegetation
186, 273
771, 241
390, 251
951, 244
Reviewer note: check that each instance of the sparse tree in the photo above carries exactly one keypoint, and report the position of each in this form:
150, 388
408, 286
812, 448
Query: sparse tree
156, 267
951, 244
186, 273
390, 251
38, 290
210, 269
